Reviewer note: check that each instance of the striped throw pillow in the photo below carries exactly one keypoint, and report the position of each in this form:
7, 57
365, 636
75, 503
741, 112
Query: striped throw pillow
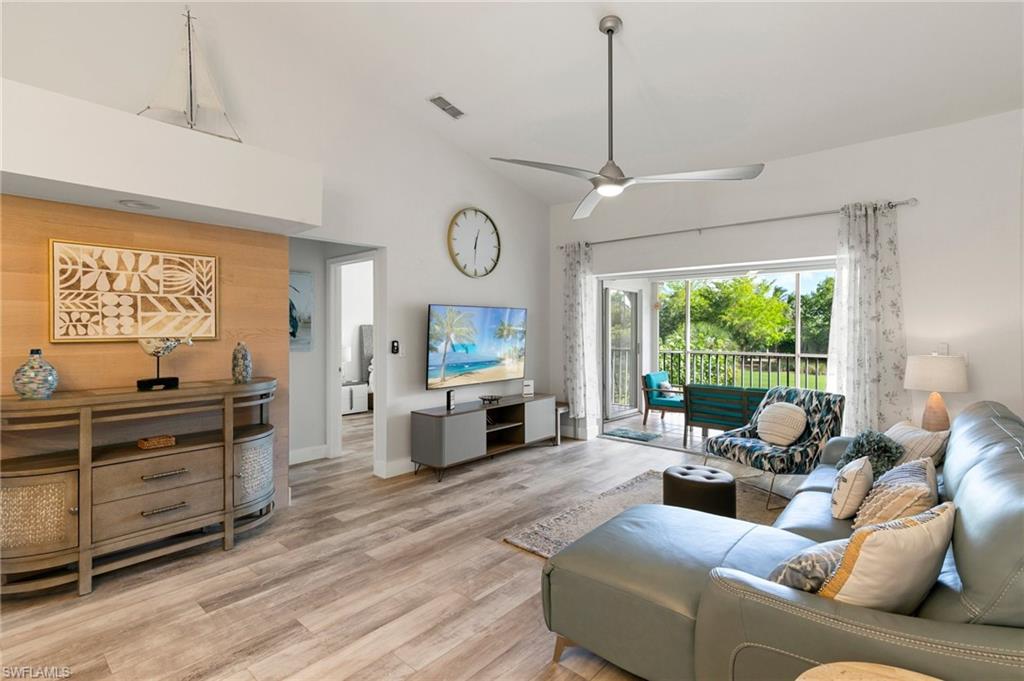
781, 423
919, 443
892, 566
901, 492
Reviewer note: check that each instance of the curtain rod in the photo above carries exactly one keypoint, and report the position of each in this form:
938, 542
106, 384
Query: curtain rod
912, 201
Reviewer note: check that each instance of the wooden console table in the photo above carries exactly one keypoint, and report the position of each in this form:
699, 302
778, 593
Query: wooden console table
474, 430
68, 515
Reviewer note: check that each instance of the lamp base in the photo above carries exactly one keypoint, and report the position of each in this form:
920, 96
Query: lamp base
935, 416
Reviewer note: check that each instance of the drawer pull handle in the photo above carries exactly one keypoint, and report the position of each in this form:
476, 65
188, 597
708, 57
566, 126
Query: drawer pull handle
73, 510
165, 474
165, 509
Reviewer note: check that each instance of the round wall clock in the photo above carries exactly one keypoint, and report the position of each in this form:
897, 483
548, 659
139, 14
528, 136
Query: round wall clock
473, 242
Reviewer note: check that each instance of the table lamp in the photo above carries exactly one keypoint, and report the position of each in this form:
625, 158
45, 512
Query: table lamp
936, 374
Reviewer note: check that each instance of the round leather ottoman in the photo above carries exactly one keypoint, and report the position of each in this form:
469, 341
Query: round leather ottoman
701, 488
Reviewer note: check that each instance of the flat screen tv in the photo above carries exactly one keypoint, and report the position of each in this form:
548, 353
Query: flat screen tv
467, 345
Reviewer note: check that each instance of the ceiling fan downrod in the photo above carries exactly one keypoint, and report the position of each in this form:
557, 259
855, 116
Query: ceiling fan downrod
610, 25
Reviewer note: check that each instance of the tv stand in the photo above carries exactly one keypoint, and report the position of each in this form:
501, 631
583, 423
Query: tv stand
474, 430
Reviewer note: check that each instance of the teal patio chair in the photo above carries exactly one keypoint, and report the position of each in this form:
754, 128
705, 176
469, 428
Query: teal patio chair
661, 399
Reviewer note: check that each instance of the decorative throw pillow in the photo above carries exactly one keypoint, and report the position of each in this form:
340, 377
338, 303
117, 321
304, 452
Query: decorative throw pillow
851, 487
892, 566
781, 423
665, 385
919, 443
882, 451
809, 569
903, 491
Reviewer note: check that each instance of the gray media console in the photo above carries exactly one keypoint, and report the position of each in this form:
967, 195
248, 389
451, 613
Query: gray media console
442, 439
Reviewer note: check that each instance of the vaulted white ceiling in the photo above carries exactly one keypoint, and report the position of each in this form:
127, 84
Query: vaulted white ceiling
697, 85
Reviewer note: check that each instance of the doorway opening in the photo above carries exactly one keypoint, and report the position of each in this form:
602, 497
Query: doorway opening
337, 386
351, 390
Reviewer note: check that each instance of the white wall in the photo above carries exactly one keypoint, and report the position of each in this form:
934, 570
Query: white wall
961, 247
52, 143
356, 310
307, 371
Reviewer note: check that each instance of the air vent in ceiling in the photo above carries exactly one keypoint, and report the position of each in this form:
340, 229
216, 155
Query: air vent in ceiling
446, 106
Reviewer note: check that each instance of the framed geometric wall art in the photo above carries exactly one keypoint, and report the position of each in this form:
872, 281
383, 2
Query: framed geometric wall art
112, 293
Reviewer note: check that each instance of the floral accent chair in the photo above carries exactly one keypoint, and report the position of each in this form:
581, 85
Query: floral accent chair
824, 421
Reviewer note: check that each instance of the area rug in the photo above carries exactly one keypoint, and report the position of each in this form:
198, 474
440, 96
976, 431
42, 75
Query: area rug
630, 434
552, 534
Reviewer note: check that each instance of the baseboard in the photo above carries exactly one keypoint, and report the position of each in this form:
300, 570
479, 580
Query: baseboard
307, 454
394, 468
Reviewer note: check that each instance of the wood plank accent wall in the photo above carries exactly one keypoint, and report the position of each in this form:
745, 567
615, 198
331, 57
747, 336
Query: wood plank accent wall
253, 280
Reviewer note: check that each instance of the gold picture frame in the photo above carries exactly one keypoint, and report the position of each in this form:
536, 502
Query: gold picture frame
103, 293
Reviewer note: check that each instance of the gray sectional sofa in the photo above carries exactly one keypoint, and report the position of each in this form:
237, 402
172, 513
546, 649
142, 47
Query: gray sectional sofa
669, 593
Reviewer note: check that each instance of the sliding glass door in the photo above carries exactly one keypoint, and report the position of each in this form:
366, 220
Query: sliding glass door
621, 325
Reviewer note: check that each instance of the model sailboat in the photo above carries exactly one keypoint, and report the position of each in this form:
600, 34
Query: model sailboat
188, 97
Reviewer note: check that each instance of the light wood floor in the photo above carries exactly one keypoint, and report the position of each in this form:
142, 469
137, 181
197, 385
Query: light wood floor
360, 578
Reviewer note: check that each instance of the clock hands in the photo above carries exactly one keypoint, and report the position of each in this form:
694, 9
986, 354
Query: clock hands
475, 241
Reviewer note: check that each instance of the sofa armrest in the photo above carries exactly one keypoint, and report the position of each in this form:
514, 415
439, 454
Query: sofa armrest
834, 450
750, 628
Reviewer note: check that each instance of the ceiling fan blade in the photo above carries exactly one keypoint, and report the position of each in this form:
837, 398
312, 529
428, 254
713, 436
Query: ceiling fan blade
587, 205
564, 170
737, 173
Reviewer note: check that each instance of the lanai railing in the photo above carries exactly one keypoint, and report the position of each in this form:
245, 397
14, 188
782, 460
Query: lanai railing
744, 369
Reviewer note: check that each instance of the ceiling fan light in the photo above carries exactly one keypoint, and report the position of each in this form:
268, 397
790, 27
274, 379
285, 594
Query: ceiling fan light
609, 190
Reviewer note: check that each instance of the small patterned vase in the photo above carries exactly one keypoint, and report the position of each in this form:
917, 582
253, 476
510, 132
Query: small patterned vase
241, 364
36, 379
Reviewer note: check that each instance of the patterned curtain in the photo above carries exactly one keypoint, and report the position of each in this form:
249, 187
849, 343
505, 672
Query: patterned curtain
577, 325
867, 352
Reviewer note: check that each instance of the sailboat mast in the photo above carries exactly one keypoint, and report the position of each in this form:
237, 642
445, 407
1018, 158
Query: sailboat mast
191, 117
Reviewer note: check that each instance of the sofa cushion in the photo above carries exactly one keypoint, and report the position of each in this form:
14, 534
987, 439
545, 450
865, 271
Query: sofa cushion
821, 479
984, 475
809, 514
631, 587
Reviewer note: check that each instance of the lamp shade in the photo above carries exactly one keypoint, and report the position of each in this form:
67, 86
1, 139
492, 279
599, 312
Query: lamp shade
936, 373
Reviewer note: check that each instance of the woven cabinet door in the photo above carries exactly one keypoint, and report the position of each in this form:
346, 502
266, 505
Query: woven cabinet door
38, 514
254, 469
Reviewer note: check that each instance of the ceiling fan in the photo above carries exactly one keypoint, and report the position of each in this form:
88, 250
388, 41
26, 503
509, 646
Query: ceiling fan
610, 180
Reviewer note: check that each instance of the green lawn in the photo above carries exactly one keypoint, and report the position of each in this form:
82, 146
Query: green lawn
768, 379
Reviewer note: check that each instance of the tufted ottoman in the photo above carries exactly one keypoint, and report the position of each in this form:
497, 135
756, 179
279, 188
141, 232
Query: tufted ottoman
701, 488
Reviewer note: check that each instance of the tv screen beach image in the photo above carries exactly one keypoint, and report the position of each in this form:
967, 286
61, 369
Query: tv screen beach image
468, 345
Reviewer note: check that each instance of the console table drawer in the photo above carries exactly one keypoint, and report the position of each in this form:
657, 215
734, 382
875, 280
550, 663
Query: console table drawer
125, 516
124, 480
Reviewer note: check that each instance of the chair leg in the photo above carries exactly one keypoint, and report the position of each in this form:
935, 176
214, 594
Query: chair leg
663, 414
768, 501
561, 643
646, 412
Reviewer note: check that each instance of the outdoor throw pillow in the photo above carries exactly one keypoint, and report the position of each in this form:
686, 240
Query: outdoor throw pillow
919, 443
851, 488
665, 385
892, 566
781, 423
903, 491
808, 569
881, 450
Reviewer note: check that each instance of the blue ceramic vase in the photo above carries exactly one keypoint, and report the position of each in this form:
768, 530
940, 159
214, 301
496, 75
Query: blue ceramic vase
36, 379
241, 364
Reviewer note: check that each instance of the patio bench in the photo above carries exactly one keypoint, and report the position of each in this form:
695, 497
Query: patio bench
721, 407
